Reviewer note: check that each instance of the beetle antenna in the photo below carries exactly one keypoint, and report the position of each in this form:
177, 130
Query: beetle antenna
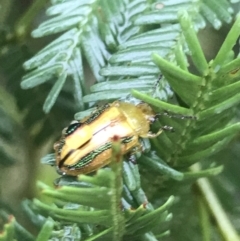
165, 113
156, 85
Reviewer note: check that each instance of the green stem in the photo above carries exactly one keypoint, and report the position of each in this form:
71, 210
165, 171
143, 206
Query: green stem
24, 23
118, 221
6, 6
204, 219
226, 228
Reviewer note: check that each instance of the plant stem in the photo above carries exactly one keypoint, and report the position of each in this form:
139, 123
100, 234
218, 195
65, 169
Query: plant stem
24, 23
204, 219
227, 230
117, 186
5, 8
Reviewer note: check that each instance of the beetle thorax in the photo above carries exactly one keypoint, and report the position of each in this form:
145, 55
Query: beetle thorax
138, 117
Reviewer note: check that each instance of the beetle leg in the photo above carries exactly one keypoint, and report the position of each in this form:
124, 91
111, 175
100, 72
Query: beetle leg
132, 158
135, 153
153, 135
60, 172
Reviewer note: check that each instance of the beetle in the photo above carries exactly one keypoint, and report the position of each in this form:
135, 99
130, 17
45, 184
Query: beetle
85, 145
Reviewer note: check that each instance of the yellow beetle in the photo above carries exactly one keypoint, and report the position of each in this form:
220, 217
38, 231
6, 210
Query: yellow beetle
85, 145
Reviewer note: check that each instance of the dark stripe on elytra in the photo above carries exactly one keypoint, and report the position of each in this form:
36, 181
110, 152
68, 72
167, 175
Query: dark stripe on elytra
93, 154
126, 140
90, 157
71, 128
61, 163
70, 152
96, 114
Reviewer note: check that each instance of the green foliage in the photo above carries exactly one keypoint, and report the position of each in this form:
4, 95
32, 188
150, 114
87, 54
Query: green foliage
8, 230
127, 45
101, 212
9, 116
211, 101
95, 29
93, 203
12, 228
